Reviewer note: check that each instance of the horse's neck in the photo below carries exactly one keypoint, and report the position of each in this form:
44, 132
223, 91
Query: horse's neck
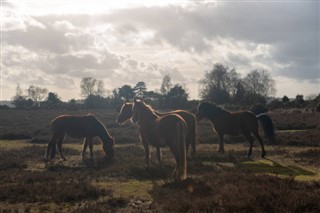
103, 133
218, 114
148, 118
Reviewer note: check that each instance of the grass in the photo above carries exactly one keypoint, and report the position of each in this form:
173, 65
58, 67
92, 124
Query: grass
217, 182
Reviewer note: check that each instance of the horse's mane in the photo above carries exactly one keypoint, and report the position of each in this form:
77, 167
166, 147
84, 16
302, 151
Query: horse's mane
147, 108
212, 108
101, 127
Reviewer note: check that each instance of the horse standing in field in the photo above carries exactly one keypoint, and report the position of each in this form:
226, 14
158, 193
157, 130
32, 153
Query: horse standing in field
236, 123
126, 113
159, 131
78, 126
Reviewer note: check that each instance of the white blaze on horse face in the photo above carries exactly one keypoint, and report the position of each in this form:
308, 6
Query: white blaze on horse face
122, 115
134, 117
199, 115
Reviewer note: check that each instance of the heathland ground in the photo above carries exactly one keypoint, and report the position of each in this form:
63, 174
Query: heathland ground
287, 180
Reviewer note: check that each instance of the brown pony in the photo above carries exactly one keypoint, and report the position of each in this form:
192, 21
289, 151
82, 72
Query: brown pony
159, 131
78, 126
126, 113
234, 123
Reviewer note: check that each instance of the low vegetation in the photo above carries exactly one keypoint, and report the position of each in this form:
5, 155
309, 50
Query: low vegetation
288, 180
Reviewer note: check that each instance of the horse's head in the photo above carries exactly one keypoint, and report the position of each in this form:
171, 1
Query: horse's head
136, 108
108, 147
125, 113
203, 109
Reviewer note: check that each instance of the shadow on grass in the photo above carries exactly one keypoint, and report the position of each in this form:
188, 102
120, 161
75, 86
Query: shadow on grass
151, 173
64, 166
273, 167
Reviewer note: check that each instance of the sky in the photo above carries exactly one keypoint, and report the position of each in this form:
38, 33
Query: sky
54, 44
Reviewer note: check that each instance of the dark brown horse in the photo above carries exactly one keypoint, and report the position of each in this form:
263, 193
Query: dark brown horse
159, 131
126, 113
234, 123
78, 126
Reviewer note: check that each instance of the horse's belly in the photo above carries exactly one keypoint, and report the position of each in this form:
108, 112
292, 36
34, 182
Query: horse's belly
233, 132
162, 142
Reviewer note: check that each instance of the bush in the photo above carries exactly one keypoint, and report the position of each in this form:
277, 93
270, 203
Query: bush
318, 107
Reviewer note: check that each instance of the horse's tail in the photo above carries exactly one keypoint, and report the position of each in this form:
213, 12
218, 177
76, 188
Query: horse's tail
181, 138
267, 126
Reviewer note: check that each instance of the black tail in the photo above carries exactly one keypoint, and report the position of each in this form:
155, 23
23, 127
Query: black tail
267, 126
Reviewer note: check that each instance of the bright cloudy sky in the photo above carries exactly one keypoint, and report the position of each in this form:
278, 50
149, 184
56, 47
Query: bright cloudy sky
54, 44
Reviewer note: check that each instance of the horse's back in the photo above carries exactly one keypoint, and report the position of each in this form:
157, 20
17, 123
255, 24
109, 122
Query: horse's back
167, 125
236, 123
187, 116
74, 125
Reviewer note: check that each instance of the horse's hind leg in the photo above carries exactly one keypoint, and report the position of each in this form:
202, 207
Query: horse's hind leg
258, 137
59, 145
159, 156
249, 137
221, 145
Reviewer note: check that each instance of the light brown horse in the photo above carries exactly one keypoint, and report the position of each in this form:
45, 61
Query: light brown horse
159, 131
78, 126
126, 113
235, 123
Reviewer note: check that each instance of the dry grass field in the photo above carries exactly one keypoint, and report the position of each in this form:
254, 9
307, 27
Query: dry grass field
287, 180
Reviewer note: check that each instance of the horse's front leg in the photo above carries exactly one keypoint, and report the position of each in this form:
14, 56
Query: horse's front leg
50, 148
59, 145
221, 145
146, 149
159, 156
91, 148
84, 148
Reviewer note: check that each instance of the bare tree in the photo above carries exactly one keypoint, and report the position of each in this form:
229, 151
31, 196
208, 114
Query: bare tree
91, 86
87, 86
100, 91
218, 84
37, 94
260, 82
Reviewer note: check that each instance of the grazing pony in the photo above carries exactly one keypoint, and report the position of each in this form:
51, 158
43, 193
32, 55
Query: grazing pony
236, 123
78, 126
126, 113
159, 131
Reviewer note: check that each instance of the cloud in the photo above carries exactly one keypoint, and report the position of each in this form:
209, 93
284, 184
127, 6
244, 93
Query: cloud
13, 19
134, 44
290, 29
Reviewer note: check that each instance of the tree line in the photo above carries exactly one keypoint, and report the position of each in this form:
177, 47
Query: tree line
221, 84
95, 96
